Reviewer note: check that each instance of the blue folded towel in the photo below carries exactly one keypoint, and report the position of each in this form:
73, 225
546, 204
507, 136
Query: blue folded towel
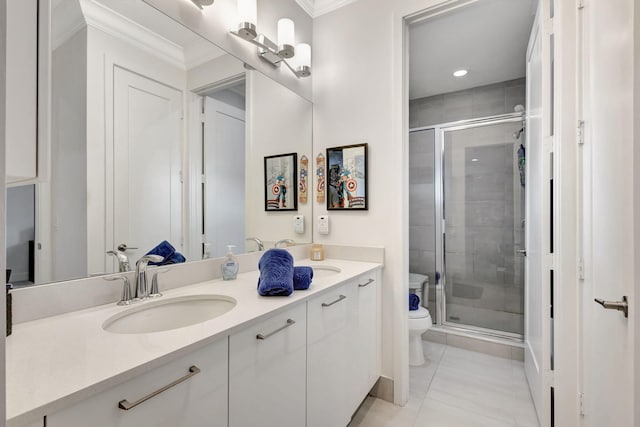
276, 273
414, 302
302, 277
168, 253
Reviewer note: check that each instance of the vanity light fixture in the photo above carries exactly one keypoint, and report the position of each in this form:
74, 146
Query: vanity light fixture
274, 53
201, 3
460, 73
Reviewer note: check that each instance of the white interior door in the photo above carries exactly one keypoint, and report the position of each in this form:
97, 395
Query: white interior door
147, 157
224, 170
608, 345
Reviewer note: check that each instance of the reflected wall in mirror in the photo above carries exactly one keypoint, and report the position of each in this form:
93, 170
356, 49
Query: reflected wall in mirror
155, 135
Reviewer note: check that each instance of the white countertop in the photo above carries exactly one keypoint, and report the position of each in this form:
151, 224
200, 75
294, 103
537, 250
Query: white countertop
57, 361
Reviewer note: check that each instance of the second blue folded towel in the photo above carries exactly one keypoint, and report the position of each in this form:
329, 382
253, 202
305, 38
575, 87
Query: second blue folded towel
414, 302
168, 252
276, 273
302, 277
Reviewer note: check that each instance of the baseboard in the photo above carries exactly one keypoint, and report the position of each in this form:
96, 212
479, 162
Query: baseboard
383, 389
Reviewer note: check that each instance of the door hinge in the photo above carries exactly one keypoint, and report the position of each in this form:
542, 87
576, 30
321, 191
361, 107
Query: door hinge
581, 268
203, 179
181, 177
203, 118
203, 239
581, 402
580, 132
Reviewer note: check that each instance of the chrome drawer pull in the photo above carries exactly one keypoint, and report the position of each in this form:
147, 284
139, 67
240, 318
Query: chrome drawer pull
264, 337
340, 298
124, 404
363, 285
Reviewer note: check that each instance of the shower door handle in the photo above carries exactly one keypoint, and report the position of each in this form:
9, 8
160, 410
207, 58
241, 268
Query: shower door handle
622, 306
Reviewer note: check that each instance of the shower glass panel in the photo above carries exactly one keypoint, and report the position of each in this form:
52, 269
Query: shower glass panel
422, 209
483, 211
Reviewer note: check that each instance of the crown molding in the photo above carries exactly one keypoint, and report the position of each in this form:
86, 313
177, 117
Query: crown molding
307, 6
325, 6
119, 26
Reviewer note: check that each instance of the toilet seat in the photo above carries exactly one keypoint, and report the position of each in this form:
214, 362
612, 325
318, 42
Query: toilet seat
420, 313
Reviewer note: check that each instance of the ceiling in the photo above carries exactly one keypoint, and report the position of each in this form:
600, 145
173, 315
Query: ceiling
316, 8
489, 38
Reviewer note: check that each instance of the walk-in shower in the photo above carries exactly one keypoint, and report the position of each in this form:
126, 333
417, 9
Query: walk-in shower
467, 222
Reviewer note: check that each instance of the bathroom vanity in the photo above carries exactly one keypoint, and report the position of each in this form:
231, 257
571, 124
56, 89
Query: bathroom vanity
307, 359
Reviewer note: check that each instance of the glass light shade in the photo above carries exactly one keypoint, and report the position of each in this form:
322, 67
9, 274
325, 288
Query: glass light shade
286, 32
247, 11
303, 55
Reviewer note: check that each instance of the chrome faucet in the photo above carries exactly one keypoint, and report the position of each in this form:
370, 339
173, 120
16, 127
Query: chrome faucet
123, 260
286, 242
258, 242
142, 291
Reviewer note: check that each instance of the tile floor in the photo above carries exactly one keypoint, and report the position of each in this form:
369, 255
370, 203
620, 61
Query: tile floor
457, 388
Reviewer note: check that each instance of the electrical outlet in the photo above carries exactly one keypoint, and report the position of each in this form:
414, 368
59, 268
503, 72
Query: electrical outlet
323, 224
298, 224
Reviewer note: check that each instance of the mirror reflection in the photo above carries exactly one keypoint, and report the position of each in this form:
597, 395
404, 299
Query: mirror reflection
157, 136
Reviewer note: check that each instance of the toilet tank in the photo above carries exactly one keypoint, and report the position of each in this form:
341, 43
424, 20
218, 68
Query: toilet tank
419, 285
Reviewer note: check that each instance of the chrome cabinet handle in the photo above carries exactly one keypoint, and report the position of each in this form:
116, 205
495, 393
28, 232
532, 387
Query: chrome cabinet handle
264, 337
622, 306
124, 404
340, 298
364, 285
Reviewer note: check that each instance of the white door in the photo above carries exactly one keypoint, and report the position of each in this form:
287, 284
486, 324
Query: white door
608, 345
147, 129
536, 329
224, 160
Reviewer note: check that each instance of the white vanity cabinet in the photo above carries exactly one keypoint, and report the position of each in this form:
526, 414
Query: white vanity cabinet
332, 328
267, 365
199, 400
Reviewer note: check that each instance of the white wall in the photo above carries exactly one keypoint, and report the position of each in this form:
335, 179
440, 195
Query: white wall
20, 229
68, 222
359, 96
279, 122
3, 250
636, 201
213, 71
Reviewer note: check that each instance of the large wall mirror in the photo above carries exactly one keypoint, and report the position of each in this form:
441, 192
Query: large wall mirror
157, 134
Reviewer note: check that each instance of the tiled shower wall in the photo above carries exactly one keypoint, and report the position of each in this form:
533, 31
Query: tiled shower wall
474, 103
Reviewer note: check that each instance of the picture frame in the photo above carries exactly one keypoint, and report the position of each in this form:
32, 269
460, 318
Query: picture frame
281, 183
347, 178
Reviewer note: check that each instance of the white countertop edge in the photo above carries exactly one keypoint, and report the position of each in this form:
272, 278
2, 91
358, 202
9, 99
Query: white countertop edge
35, 411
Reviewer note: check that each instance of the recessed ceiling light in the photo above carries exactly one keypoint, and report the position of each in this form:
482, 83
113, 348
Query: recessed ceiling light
460, 73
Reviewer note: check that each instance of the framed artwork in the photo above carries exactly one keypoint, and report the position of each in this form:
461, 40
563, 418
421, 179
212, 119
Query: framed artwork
281, 183
347, 178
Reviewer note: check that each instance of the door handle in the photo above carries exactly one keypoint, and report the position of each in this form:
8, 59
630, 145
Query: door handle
622, 306
522, 252
122, 247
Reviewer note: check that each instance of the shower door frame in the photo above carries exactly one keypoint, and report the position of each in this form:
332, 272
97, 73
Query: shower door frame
439, 146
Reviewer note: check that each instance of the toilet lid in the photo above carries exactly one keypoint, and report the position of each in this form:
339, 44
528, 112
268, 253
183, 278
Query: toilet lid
419, 313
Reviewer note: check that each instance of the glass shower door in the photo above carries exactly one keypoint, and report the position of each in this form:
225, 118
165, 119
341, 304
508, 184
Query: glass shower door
483, 212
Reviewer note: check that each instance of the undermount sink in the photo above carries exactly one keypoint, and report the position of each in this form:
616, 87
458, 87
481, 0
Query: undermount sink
170, 313
325, 270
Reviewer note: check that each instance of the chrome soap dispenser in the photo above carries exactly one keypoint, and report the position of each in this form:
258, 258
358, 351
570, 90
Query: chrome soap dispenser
230, 265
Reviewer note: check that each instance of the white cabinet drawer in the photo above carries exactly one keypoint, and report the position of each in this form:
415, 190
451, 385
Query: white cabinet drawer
267, 376
200, 400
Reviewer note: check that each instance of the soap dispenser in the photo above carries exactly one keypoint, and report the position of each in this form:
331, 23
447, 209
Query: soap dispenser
230, 265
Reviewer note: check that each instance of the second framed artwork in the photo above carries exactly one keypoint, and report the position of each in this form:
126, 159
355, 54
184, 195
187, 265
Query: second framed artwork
280, 181
347, 178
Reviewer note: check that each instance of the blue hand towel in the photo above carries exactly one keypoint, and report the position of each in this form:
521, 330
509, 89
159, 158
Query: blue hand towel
168, 253
302, 277
414, 302
276, 273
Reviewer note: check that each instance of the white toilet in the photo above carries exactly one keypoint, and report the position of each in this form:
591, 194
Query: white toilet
419, 320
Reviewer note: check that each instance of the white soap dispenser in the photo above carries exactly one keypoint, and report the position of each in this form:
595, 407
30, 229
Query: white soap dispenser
230, 265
